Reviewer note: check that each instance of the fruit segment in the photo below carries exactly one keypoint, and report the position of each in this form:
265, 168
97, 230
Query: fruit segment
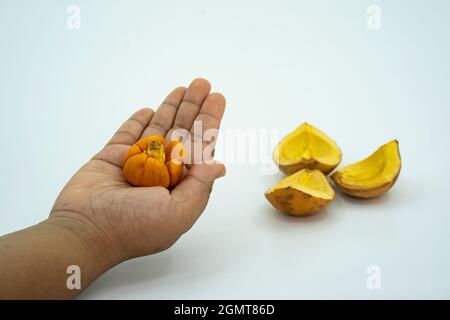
307, 148
372, 176
303, 193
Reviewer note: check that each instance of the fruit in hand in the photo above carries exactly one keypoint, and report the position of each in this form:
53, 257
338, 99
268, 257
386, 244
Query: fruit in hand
303, 193
307, 148
372, 176
149, 163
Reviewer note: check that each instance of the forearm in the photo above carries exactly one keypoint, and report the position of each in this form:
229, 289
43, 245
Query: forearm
34, 261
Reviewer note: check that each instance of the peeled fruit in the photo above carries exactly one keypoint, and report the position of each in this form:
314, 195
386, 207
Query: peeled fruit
150, 163
303, 193
372, 176
307, 148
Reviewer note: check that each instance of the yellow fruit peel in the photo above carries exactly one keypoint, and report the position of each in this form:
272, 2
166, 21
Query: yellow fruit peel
301, 194
307, 148
373, 176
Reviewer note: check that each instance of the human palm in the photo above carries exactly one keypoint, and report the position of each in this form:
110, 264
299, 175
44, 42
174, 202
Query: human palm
132, 221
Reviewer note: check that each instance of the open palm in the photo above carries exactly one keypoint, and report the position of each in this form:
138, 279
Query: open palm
127, 221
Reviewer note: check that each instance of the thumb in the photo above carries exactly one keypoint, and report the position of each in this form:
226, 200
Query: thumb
208, 172
200, 178
194, 191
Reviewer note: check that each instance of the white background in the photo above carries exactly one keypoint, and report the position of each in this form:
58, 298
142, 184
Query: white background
279, 63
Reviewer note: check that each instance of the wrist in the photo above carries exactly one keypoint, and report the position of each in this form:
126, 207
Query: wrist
97, 248
36, 260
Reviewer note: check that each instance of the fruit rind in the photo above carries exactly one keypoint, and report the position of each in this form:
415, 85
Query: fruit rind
298, 201
281, 199
310, 162
373, 191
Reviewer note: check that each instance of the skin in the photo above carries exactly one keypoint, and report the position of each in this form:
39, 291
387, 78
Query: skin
99, 220
296, 203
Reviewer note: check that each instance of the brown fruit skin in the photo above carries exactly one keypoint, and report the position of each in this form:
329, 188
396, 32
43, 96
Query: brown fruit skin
306, 164
296, 203
362, 193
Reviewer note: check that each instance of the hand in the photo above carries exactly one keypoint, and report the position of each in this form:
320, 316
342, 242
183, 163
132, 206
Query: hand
120, 221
